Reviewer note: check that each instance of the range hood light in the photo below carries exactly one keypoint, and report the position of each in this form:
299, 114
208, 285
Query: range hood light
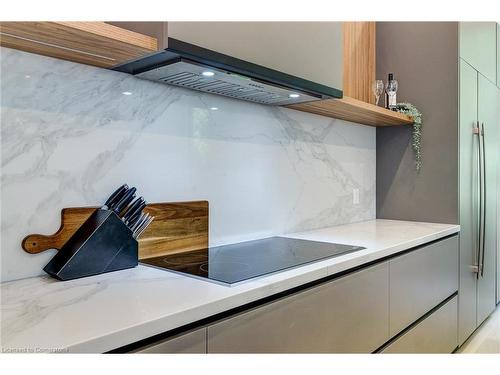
208, 73
293, 96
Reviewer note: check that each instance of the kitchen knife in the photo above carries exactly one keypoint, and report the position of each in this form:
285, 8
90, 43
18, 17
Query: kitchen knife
141, 224
124, 202
133, 221
139, 221
136, 212
113, 198
117, 199
140, 230
132, 209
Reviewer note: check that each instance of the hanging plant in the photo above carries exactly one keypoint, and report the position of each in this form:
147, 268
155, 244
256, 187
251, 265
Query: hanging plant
410, 110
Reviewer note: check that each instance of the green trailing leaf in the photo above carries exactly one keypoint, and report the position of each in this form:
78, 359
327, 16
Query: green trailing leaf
410, 110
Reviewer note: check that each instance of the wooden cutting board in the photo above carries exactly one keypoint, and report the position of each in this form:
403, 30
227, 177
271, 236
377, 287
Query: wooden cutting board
177, 227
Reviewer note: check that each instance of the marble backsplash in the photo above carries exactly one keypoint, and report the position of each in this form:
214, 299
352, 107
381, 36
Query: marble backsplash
72, 133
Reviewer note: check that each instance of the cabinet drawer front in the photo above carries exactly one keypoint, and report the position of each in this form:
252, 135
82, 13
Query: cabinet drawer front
435, 334
420, 280
191, 342
349, 314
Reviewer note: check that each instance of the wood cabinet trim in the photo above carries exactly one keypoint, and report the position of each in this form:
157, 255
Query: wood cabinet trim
354, 110
92, 43
115, 33
359, 60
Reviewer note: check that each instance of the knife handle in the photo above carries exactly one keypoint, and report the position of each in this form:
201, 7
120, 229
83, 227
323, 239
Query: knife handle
117, 194
127, 198
136, 213
138, 221
131, 222
133, 209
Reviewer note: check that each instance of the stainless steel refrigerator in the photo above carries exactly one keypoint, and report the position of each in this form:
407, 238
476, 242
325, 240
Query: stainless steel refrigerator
478, 103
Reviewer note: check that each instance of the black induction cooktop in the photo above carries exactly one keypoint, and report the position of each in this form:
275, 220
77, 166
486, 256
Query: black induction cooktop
242, 261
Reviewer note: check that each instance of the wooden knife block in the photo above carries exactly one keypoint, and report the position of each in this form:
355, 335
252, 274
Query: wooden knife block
177, 227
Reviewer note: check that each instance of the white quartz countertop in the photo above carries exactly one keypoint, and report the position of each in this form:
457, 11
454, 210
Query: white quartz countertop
101, 313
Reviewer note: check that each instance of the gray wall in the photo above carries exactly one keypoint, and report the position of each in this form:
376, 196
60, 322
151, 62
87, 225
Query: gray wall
424, 58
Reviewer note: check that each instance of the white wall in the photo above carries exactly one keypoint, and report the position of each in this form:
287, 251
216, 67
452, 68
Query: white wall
69, 137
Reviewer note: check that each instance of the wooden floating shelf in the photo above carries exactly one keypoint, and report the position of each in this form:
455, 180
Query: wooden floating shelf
92, 43
353, 110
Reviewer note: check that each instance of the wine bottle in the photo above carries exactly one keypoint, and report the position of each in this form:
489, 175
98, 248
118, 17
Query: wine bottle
386, 97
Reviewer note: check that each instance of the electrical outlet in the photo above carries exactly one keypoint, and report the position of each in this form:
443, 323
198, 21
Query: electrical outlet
355, 196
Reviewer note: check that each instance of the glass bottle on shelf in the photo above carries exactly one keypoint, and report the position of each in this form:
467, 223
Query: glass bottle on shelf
391, 89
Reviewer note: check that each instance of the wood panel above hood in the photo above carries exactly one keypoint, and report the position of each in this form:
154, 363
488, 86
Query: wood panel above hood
91, 43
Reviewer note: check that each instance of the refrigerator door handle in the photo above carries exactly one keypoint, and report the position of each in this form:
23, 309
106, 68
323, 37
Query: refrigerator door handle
483, 227
477, 202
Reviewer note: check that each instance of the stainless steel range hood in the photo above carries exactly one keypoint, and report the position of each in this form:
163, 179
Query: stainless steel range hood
191, 75
197, 68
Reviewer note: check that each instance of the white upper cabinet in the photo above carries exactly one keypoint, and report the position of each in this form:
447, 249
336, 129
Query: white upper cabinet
478, 45
309, 50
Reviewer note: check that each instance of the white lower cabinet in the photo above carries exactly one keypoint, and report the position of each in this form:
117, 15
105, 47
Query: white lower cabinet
355, 313
420, 280
346, 315
437, 333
